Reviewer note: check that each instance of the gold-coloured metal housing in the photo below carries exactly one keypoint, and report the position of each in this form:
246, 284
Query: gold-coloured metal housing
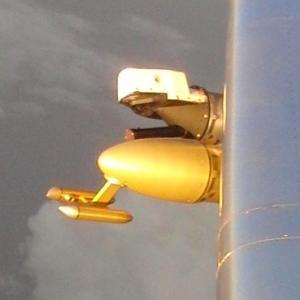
180, 162
172, 169
91, 213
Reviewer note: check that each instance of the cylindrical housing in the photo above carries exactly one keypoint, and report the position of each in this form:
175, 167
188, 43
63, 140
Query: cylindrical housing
103, 215
165, 168
91, 213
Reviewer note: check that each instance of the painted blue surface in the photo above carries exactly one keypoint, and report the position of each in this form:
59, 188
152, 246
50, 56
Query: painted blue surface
260, 227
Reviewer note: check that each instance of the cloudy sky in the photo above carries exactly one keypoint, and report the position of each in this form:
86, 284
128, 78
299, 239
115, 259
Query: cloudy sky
58, 65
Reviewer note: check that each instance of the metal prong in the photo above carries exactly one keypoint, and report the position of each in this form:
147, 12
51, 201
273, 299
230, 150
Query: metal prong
54, 193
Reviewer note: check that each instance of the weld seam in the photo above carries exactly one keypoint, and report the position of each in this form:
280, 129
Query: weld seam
256, 209
252, 244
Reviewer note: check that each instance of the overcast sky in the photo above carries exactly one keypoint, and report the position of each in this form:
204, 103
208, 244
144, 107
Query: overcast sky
59, 61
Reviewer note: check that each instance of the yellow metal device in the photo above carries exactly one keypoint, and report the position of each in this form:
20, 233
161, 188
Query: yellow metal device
172, 169
91, 213
180, 162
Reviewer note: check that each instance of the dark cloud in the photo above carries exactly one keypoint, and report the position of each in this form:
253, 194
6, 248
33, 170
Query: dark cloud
163, 254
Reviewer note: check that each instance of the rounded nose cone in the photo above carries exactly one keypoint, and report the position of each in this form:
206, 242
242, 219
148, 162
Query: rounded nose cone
54, 193
69, 211
119, 161
171, 169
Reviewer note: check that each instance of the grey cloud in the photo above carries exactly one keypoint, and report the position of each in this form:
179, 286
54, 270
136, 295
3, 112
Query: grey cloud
166, 254
165, 34
50, 56
200, 25
24, 108
42, 60
12, 287
9, 286
2, 113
